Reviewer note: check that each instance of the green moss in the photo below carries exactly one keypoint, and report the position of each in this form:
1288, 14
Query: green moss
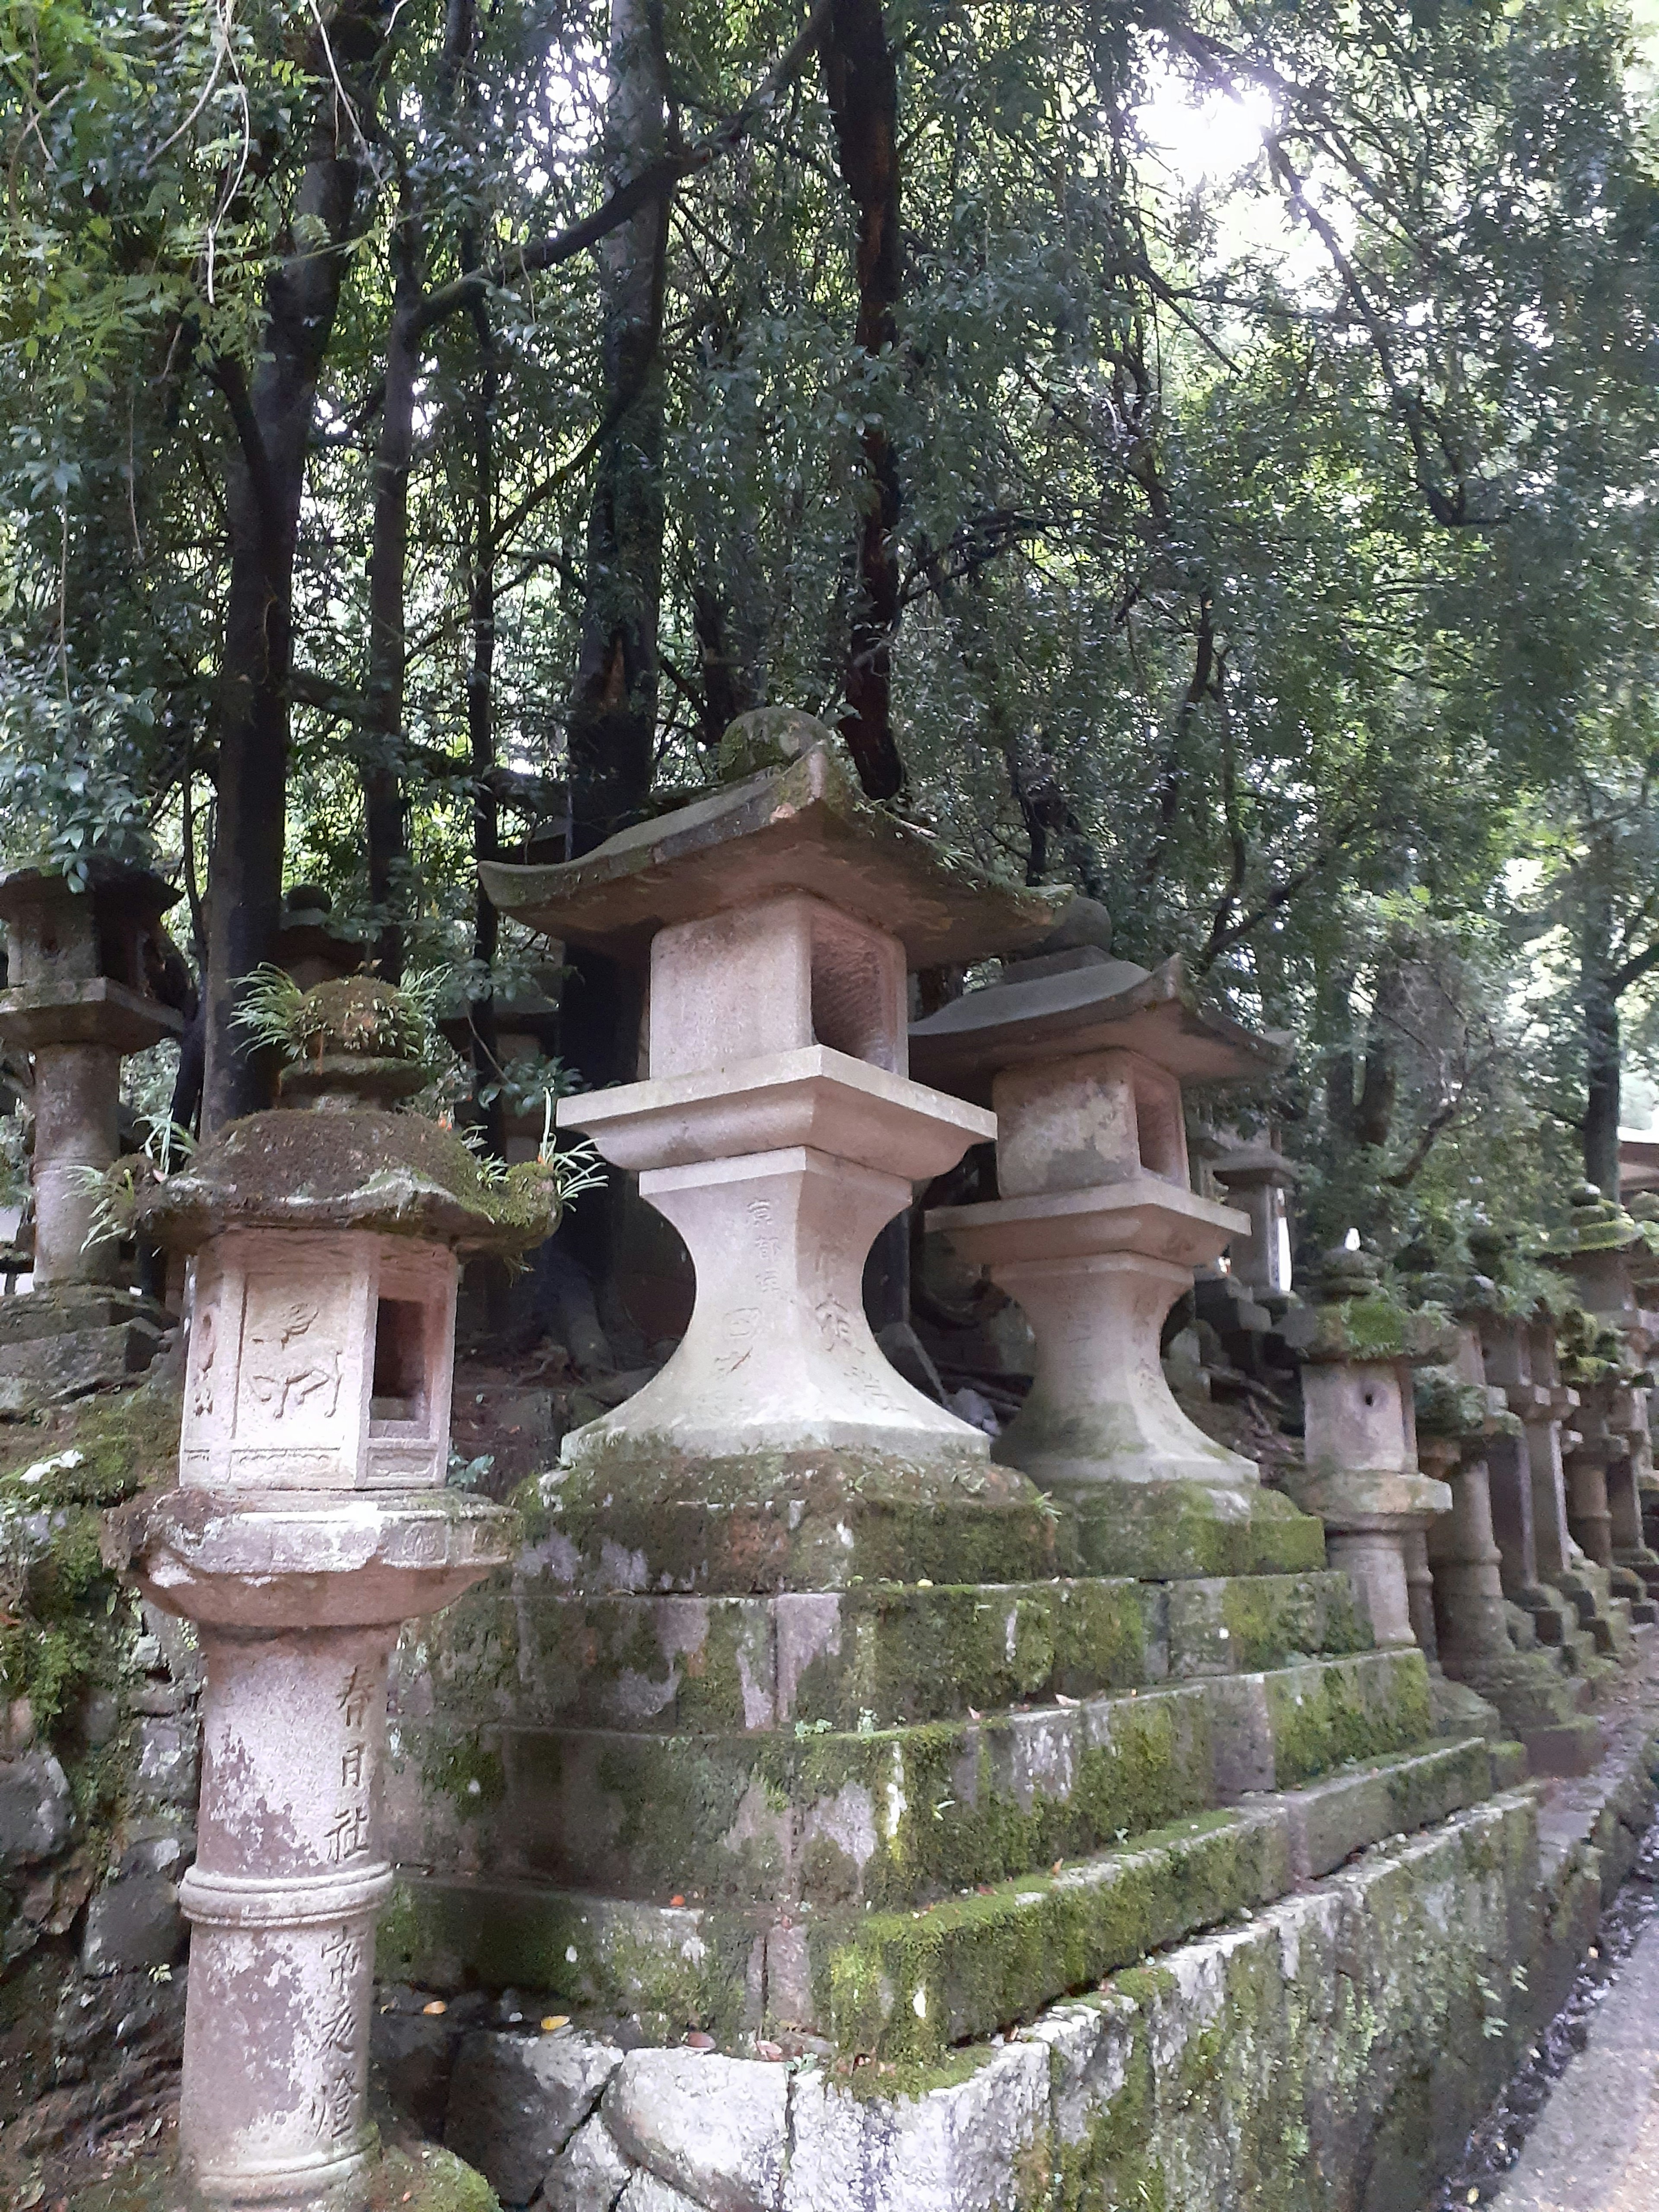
689, 1972
1170, 1531
428, 2179
464, 1770
1322, 1716
906, 1986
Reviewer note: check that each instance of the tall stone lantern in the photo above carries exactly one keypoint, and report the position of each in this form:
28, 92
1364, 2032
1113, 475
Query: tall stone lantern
310, 1521
1358, 1344
778, 1130
1095, 1234
79, 971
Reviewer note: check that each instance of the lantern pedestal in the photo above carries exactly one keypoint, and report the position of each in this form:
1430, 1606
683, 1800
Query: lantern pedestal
298, 1605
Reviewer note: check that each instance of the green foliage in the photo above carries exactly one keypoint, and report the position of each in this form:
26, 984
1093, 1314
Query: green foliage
1271, 412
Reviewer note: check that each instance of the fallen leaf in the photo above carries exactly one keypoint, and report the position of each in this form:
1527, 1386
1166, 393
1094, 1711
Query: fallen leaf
555, 2020
677, 1900
1056, 1865
699, 2041
437, 2006
768, 2051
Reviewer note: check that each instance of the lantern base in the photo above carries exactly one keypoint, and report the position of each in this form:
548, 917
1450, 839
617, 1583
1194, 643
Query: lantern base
626, 1520
1167, 1530
61, 1344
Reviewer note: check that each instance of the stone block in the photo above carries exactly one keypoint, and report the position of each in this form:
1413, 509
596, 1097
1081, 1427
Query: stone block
52, 1370
168, 1760
1332, 1820
132, 1924
515, 2101
908, 1987
416, 2056
588, 2175
969, 2146
712, 2126
645, 2193
36, 1809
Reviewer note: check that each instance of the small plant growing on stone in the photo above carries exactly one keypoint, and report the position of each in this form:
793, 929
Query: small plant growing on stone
357, 1015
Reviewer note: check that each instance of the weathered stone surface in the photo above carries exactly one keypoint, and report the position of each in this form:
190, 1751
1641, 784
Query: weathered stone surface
645, 2193
133, 1923
50, 1370
416, 2056
588, 2175
970, 2147
515, 2101
35, 1809
711, 2125
168, 1761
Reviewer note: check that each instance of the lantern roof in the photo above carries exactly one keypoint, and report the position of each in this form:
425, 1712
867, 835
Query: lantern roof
803, 827
362, 1168
1078, 1001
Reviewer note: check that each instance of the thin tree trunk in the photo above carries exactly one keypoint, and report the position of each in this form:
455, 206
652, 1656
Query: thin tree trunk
613, 714
273, 417
1600, 997
481, 714
862, 81
384, 814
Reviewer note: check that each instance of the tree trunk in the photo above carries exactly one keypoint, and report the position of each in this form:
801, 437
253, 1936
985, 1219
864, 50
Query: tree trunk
613, 717
1599, 998
861, 83
481, 716
384, 817
264, 485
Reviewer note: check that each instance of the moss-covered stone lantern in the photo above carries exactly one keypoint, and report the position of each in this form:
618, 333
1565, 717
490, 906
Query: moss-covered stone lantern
81, 964
1359, 1342
1096, 1234
310, 1519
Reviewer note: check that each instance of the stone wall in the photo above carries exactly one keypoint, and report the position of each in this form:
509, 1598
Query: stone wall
98, 1783
1326, 2054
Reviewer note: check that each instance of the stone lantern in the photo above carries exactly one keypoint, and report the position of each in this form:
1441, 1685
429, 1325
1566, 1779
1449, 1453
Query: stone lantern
1357, 1344
1259, 1180
310, 1519
1606, 1255
80, 976
778, 1130
308, 947
1096, 1234
1480, 1641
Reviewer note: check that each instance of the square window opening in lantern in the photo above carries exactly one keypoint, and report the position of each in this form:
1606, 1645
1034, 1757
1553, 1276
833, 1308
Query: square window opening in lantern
398, 1401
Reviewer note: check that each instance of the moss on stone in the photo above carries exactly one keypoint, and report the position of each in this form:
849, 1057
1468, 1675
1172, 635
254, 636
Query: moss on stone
1323, 1717
906, 1986
1170, 1531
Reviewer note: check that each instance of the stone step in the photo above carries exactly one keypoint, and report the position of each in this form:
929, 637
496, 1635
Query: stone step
907, 1987
889, 1815
904, 1651
912, 1984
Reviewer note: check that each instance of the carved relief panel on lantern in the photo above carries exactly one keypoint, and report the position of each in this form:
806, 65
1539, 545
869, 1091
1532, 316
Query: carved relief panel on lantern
319, 1363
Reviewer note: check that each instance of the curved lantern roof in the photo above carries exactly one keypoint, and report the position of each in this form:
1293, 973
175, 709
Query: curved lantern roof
1080, 1001
804, 827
